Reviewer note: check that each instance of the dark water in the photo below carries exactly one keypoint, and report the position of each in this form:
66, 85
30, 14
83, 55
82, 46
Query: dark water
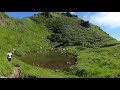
49, 59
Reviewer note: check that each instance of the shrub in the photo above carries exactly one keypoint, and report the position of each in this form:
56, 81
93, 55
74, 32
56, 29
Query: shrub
46, 14
19, 53
85, 24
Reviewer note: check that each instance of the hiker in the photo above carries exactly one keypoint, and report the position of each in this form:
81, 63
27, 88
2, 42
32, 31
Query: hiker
9, 56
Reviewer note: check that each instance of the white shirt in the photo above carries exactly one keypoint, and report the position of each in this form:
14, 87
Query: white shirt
9, 55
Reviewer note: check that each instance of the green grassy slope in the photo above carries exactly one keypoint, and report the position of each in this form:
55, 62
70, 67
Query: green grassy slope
95, 62
73, 31
69, 34
21, 36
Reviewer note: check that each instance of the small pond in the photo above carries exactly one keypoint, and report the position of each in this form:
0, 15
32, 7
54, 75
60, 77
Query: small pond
48, 59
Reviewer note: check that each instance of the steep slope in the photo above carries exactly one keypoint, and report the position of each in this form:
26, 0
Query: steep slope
69, 30
19, 36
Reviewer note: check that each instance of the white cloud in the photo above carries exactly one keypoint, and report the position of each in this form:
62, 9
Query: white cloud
65, 12
86, 16
106, 19
72, 12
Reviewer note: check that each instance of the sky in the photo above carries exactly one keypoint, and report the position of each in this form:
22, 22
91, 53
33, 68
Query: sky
107, 21
20, 14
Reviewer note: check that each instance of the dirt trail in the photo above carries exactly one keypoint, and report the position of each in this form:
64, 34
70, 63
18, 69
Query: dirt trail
15, 73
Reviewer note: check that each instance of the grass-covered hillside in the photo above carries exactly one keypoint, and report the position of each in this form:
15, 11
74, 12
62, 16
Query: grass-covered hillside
96, 53
68, 30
